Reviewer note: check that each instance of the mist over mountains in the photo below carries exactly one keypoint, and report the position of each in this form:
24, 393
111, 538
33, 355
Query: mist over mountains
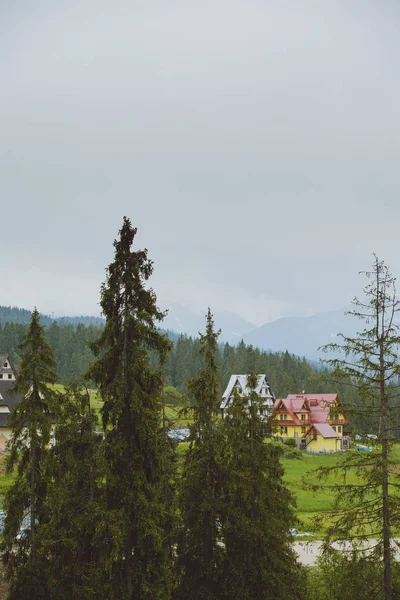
184, 320
301, 336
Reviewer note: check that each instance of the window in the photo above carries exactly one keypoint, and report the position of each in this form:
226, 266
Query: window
303, 417
6, 365
303, 430
284, 430
261, 411
1, 375
10, 376
339, 429
282, 417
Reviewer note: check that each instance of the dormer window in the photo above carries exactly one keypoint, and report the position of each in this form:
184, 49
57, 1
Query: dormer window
5, 365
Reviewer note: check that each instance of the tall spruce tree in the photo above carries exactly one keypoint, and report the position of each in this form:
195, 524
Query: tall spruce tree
31, 429
131, 413
370, 363
199, 552
68, 540
256, 508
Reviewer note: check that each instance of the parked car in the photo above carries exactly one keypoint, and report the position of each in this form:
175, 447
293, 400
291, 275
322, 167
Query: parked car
2, 520
180, 434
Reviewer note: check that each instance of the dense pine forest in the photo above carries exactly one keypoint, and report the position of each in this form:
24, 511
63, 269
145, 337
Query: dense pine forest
110, 515
121, 512
70, 342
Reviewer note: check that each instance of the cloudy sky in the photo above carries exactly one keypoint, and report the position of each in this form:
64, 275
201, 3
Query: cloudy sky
254, 143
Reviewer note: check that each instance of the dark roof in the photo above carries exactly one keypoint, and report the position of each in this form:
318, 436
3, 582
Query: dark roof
4, 358
11, 400
3, 420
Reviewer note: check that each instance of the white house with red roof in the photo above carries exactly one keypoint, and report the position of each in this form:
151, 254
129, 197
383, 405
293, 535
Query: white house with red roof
316, 421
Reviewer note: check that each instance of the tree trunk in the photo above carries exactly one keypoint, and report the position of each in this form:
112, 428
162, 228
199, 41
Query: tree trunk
387, 579
32, 507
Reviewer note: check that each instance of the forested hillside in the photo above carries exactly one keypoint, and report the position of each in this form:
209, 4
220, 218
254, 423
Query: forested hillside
13, 314
287, 373
70, 345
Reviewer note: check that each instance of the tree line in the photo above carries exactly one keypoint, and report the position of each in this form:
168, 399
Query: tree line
107, 514
71, 344
110, 513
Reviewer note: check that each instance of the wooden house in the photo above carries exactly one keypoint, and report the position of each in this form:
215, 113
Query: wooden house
316, 421
8, 371
7, 400
238, 383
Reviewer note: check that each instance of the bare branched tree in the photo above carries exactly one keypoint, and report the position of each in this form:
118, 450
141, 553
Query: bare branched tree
369, 505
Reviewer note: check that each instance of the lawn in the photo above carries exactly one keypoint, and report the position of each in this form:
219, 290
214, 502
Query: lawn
95, 402
172, 412
310, 503
5, 480
297, 471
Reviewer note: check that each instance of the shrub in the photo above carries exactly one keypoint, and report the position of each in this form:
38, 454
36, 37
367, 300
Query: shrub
290, 442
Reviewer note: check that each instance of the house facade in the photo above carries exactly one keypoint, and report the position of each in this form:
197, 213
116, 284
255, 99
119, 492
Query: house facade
316, 421
8, 400
238, 383
7, 368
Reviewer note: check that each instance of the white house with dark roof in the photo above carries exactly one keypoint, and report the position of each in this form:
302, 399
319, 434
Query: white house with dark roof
7, 368
8, 400
239, 383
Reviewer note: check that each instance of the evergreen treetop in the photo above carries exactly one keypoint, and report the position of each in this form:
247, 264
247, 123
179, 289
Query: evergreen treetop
134, 440
199, 552
30, 422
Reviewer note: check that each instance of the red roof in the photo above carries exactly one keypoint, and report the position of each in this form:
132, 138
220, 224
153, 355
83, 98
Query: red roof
317, 406
325, 430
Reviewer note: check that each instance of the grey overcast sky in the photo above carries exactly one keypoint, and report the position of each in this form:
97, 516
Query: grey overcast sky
254, 143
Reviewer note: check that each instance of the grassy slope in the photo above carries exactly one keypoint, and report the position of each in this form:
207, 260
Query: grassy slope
309, 502
297, 471
5, 480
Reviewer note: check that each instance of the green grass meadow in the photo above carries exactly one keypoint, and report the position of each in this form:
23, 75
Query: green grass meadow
298, 472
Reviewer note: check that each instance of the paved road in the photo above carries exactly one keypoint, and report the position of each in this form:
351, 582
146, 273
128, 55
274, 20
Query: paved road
308, 551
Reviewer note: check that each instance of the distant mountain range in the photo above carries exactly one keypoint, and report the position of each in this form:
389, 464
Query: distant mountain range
299, 335
303, 335
184, 320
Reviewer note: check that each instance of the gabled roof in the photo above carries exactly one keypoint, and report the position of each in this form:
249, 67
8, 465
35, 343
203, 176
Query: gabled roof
320, 405
11, 400
240, 382
7, 399
317, 406
325, 430
293, 404
4, 358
